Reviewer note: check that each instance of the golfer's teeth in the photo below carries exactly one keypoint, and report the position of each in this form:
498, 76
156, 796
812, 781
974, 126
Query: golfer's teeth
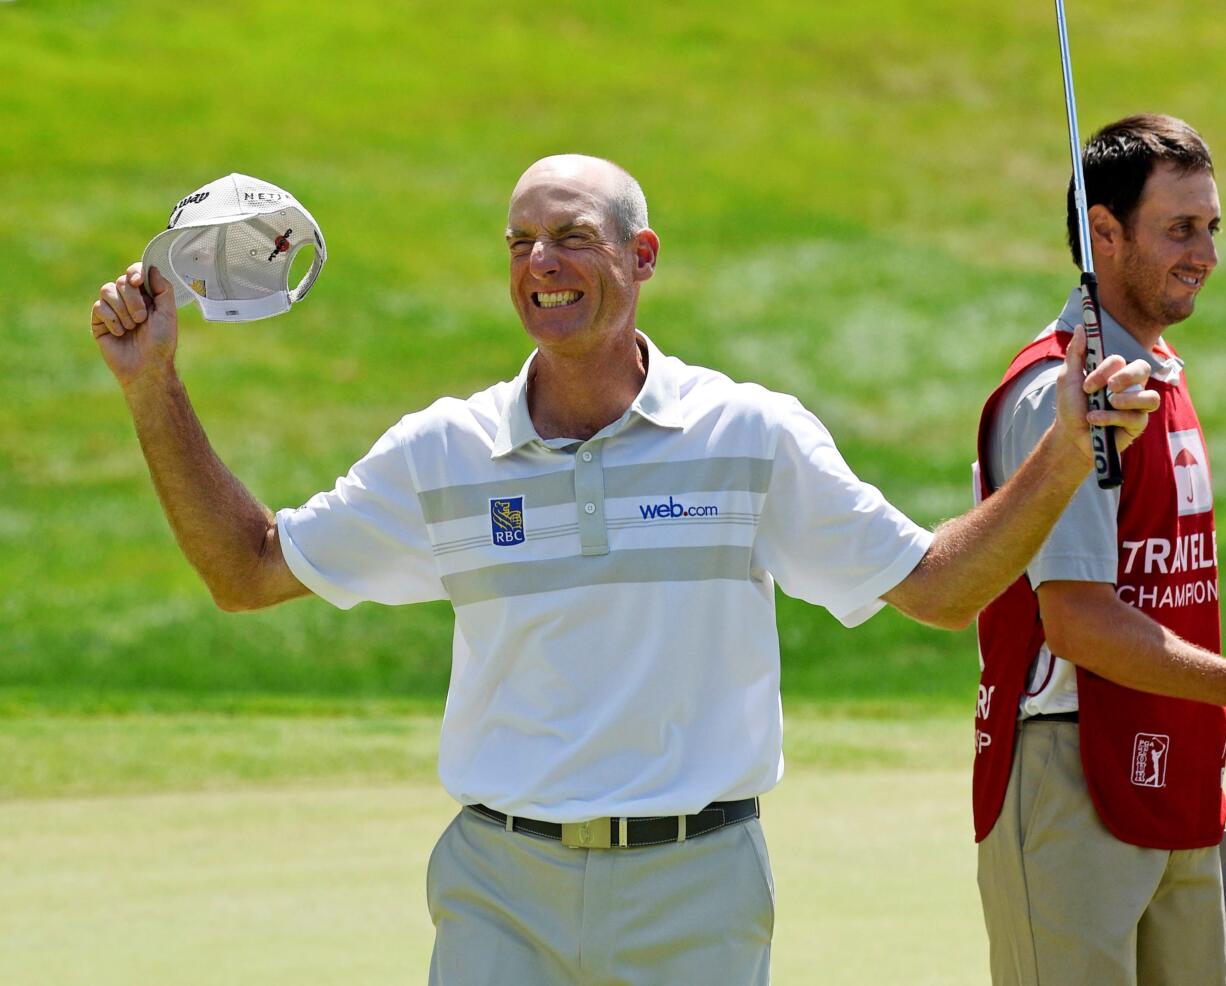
1192, 282
555, 299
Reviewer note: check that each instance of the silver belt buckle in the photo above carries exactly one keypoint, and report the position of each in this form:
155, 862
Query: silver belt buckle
592, 834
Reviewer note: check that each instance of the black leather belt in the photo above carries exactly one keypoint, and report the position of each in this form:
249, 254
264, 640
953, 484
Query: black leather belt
627, 833
1053, 717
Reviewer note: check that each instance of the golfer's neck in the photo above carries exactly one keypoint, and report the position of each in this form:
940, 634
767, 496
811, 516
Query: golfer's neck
575, 395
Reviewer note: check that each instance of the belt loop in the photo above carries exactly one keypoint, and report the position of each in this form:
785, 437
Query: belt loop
680, 828
510, 823
623, 839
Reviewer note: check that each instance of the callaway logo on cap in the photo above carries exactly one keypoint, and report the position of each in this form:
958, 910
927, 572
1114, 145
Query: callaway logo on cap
228, 247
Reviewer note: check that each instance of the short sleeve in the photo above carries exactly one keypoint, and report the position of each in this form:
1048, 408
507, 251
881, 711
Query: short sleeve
1082, 546
366, 539
826, 536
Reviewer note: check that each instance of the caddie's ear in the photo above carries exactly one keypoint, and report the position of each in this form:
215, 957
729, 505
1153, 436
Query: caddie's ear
1106, 232
646, 252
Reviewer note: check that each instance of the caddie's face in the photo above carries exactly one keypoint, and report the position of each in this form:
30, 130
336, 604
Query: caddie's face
1167, 252
572, 279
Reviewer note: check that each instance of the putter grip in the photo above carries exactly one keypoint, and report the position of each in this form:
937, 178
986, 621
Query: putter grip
1102, 440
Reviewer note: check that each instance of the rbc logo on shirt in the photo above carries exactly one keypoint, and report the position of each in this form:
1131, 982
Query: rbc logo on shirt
507, 521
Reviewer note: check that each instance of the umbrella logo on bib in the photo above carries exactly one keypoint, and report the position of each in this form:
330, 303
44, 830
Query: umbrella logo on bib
1149, 759
1194, 494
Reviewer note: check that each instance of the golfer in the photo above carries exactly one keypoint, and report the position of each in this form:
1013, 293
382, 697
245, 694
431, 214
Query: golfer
1098, 797
609, 527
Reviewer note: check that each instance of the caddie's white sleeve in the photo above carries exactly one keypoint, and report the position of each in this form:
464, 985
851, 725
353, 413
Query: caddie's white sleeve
826, 536
366, 539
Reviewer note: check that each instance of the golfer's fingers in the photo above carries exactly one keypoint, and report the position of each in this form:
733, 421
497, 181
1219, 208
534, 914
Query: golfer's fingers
1135, 374
159, 287
1135, 399
1097, 378
1114, 374
103, 320
132, 298
109, 293
1133, 422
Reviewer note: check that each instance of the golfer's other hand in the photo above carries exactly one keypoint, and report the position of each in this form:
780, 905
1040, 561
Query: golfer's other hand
136, 325
1130, 403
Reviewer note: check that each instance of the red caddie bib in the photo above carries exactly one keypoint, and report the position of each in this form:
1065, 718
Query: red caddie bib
1153, 765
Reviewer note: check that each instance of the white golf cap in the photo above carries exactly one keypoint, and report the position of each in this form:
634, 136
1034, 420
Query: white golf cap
229, 245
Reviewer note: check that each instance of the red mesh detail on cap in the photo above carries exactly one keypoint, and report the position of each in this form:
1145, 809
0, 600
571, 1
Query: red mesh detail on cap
233, 259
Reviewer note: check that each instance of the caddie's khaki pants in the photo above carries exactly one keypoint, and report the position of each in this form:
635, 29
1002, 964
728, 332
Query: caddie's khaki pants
516, 910
1068, 904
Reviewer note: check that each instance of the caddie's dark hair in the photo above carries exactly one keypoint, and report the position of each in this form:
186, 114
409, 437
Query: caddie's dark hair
1118, 161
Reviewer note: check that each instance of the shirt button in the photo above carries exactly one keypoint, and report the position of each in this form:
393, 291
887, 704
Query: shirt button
589, 508
587, 456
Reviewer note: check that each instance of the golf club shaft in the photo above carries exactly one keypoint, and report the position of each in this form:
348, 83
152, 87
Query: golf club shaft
1102, 440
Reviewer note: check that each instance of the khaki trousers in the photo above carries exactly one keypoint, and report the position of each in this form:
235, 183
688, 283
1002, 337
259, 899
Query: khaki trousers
1068, 904
510, 908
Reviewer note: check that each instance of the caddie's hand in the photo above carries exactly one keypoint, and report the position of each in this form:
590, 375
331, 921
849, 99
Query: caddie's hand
1131, 404
136, 324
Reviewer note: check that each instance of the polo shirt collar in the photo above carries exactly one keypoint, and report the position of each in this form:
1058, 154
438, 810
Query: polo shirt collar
1165, 367
659, 402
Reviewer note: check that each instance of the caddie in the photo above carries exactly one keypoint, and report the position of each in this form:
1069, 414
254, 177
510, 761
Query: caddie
1097, 787
609, 526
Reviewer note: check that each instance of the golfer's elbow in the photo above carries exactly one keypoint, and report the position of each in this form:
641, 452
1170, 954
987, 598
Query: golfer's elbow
929, 601
956, 619
250, 580
244, 585
950, 614
248, 598
268, 582
232, 598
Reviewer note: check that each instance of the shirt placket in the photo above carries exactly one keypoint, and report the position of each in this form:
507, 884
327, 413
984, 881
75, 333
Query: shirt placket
589, 499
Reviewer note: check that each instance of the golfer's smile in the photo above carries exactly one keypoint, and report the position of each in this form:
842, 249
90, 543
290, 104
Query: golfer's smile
555, 299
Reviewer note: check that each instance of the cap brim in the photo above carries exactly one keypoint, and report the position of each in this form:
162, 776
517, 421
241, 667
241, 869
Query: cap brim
157, 254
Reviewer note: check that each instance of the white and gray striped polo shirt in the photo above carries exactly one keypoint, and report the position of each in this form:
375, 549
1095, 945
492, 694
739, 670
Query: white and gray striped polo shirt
615, 645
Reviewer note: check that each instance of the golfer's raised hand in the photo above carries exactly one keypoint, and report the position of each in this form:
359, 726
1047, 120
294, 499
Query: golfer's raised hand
136, 324
1130, 403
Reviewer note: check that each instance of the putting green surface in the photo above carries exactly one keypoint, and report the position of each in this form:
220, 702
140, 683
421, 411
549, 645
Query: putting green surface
325, 884
225, 863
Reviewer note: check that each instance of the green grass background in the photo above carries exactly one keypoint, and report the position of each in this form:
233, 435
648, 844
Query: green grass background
859, 204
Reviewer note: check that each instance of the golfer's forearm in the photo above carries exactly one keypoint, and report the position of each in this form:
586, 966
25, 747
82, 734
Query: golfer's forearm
221, 528
975, 557
1112, 639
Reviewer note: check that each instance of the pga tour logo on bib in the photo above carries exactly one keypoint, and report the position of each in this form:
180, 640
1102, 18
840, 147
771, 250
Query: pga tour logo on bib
1149, 759
1194, 492
507, 521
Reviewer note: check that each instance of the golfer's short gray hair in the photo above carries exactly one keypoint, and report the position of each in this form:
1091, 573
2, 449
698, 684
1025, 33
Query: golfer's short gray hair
628, 205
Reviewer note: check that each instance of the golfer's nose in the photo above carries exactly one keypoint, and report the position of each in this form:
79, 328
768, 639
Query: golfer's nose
543, 260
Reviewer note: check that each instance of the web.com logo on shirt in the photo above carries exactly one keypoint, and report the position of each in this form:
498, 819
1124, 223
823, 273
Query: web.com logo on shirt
664, 510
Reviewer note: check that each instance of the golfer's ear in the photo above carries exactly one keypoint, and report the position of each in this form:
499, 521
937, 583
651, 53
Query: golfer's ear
1106, 231
646, 252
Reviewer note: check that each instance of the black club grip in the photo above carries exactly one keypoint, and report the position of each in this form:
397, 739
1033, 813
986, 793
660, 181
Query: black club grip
1102, 440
